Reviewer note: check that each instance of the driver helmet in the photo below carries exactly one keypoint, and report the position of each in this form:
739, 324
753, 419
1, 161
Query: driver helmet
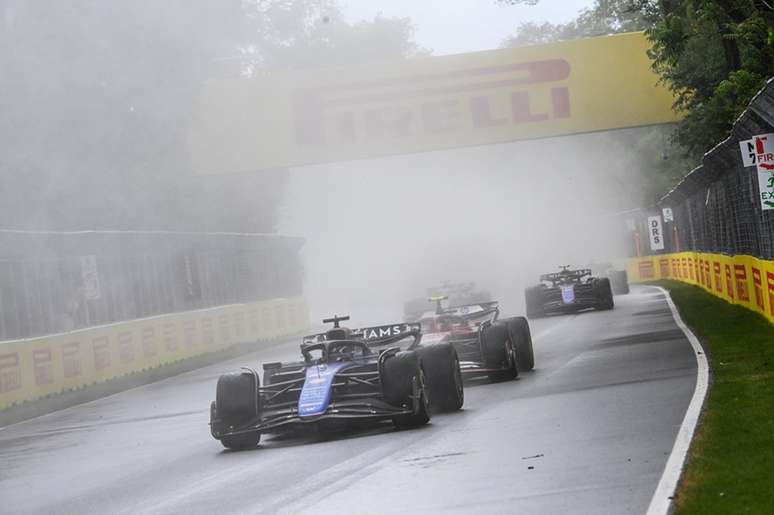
338, 333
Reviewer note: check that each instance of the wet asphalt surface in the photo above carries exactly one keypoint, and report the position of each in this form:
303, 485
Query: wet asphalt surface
588, 431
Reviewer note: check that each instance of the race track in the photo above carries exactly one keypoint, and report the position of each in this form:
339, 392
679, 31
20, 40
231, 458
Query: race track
589, 431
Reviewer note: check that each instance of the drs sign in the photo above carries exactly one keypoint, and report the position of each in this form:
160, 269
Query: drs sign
656, 233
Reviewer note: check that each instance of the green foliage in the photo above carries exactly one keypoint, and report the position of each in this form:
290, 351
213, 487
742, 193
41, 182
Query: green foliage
662, 162
602, 18
714, 56
711, 120
658, 161
312, 33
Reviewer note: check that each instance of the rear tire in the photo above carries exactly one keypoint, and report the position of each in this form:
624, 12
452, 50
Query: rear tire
498, 353
443, 376
237, 403
604, 294
619, 281
534, 300
522, 342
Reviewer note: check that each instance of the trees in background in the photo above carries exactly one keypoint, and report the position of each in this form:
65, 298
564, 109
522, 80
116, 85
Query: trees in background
714, 55
288, 34
96, 98
602, 18
96, 101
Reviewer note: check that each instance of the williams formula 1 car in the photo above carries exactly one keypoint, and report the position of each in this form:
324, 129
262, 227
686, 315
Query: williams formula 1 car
345, 375
485, 344
568, 291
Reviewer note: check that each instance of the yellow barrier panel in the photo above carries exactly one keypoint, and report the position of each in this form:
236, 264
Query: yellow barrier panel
36, 367
744, 280
430, 103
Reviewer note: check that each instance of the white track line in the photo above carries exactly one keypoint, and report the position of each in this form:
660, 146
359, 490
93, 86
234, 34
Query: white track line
661, 501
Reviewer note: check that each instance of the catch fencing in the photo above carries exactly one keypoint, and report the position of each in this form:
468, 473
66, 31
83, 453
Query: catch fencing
715, 229
717, 208
84, 307
59, 282
47, 365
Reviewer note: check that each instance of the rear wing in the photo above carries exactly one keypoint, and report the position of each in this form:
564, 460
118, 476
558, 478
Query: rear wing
565, 275
376, 335
381, 333
471, 311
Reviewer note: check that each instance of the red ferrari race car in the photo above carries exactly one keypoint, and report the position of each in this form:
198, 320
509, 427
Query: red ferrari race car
485, 343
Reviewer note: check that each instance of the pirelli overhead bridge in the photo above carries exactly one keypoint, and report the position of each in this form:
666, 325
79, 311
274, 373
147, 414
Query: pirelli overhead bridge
424, 104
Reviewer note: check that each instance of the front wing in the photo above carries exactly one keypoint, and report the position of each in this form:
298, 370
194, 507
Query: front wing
277, 420
280, 410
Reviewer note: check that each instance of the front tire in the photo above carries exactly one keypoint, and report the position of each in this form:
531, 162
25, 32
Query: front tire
237, 403
241, 442
404, 384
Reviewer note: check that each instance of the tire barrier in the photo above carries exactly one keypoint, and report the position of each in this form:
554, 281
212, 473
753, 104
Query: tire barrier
743, 280
38, 367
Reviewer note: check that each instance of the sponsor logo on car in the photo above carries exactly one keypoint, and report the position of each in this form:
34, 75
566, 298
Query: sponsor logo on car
385, 331
568, 294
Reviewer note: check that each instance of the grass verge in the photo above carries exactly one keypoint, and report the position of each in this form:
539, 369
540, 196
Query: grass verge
730, 466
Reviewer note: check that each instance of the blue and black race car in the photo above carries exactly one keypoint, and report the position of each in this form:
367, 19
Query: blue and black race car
568, 291
344, 376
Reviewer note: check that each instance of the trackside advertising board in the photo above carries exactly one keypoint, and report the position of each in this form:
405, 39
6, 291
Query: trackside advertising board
46, 365
743, 280
424, 104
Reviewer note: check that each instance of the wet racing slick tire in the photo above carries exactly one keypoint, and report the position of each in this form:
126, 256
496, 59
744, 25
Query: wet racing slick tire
603, 293
498, 353
619, 281
444, 378
236, 403
241, 442
534, 300
404, 384
522, 342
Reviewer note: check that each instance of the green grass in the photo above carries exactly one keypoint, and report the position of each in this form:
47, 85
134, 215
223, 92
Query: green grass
730, 466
